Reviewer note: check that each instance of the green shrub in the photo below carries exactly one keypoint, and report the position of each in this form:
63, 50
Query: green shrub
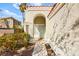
18, 30
14, 41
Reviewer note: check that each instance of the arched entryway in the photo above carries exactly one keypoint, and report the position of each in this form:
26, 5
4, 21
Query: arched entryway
39, 26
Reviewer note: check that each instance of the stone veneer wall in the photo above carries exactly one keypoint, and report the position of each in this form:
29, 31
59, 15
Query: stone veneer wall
62, 32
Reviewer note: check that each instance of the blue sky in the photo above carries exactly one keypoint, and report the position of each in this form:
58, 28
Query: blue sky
12, 9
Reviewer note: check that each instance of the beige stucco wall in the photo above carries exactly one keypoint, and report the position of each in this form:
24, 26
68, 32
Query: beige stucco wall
6, 31
31, 13
62, 31
10, 23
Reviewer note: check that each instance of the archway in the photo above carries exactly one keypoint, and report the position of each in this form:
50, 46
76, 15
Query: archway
39, 26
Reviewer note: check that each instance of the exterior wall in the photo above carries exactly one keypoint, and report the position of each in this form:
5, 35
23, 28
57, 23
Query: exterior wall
11, 22
6, 31
2, 25
62, 31
30, 15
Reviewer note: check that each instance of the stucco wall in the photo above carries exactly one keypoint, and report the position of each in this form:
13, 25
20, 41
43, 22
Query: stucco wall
30, 15
6, 31
62, 31
10, 23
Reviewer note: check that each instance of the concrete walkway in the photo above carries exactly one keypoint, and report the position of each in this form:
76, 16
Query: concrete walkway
42, 49
39, 49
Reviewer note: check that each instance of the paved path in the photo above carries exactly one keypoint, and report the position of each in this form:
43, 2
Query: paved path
42, 49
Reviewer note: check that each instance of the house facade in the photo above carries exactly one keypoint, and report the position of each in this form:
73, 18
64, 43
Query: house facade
7, 25
9, 22
35, 20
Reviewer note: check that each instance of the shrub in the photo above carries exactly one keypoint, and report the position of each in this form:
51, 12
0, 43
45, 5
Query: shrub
18, 30
14, 41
